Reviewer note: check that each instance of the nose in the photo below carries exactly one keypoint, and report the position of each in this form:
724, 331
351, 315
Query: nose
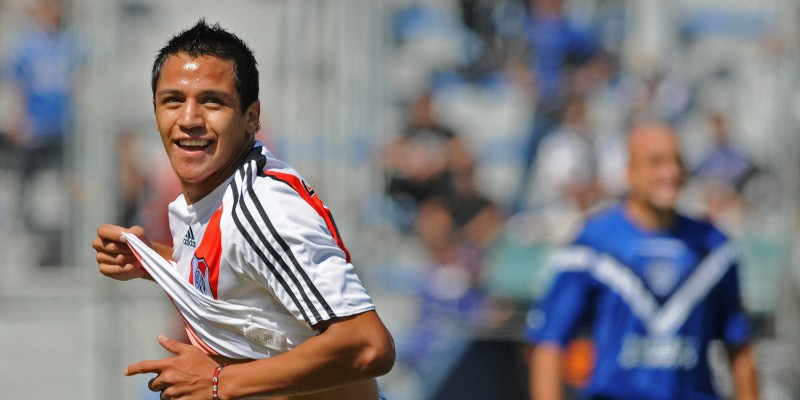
191, 116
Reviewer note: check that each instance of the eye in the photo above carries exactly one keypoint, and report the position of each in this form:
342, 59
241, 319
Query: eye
170, 100
213, 100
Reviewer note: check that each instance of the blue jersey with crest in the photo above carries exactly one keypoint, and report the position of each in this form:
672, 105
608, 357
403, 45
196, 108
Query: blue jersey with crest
653, 299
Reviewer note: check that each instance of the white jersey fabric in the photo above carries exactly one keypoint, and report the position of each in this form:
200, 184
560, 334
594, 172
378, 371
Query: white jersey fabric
257, 263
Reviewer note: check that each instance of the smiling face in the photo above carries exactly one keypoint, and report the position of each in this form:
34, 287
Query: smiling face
655, 170
203, 129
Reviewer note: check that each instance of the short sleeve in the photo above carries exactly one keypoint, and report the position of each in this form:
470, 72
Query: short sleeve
292, 248
555, 318
735, 325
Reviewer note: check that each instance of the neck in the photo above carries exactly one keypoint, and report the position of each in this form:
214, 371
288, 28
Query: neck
649, 217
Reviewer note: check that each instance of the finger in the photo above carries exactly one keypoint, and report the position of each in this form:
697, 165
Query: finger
116, 272
155, 386
145, 367
113, 233
120, 260
171, 345
110, 246
113, 247
137, 231
98, 244
112, 269
110, 232
170, 393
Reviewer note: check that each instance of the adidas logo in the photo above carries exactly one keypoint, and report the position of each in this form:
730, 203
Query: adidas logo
188, 240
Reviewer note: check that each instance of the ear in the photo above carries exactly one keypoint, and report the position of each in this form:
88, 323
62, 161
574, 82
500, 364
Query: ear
252, 116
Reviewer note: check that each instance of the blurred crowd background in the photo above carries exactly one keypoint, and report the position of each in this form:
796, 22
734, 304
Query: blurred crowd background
457, 142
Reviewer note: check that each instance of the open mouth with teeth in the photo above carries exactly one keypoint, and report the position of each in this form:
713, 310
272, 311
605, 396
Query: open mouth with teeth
193, 144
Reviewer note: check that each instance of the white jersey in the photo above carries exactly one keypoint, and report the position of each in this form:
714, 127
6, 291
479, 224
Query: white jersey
264, 240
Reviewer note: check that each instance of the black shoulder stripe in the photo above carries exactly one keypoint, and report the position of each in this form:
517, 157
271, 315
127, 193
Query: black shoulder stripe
288, 251
237, 205
260, 160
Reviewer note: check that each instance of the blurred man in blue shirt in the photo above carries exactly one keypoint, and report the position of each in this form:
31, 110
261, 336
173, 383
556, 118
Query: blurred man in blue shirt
656, 287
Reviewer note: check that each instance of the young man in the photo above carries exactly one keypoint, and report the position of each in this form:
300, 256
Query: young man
248, 232
656, 286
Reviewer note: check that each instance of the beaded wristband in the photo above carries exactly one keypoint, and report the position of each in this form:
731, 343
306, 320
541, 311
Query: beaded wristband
215, 382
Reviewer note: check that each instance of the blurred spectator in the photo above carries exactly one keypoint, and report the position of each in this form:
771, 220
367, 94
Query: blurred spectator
608, 101
430, 174
656, 287
477, 16
578, 168
491, 29
662, 95
559, 49
568, 161
41, 70
133, 185
724, 172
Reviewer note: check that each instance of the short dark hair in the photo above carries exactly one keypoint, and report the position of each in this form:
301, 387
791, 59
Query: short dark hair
211, 40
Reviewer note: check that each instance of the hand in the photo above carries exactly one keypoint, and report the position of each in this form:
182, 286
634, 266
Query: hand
187, 376
114, 257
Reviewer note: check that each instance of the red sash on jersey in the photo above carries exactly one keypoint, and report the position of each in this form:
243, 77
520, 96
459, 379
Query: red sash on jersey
207, 256
307, 193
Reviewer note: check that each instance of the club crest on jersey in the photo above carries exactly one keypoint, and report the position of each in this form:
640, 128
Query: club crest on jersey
200, 276
189, 240
662, 276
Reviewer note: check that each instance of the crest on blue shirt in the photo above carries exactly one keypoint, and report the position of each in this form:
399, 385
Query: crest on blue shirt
662, 277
